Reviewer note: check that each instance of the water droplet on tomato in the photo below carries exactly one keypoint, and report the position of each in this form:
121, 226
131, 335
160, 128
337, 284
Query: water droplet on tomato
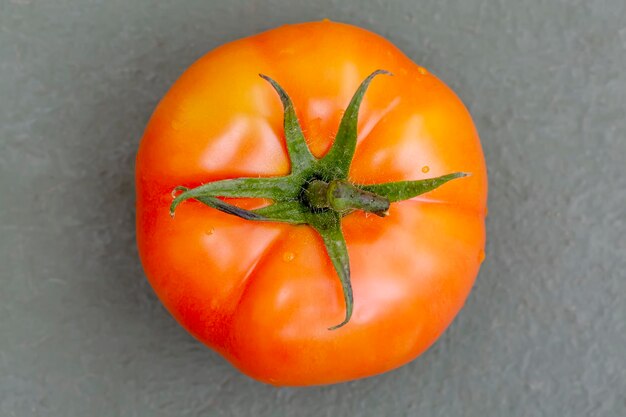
288, 256
425, 169
210, 231
422, 70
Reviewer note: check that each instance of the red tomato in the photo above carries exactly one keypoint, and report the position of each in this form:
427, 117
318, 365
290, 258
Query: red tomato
264, 294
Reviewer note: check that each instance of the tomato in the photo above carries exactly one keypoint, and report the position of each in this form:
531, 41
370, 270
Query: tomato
271, 296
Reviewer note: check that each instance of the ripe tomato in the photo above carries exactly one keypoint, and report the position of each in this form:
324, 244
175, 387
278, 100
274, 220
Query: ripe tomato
265, 294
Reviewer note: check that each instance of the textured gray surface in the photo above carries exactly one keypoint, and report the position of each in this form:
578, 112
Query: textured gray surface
543, 333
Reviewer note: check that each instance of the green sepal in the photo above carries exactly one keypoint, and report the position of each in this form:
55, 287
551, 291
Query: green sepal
276, 188
403, 190
299, 154
284, 212
329, 228
336, 163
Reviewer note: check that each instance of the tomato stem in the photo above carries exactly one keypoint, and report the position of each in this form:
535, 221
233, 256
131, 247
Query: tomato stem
342, 196
317, 192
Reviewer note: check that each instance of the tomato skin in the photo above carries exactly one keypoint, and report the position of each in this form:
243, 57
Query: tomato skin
265, 294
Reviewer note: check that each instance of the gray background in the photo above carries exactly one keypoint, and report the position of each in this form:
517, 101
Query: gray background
543, 333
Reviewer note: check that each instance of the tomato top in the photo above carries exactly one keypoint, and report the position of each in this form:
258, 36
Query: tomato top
266, 294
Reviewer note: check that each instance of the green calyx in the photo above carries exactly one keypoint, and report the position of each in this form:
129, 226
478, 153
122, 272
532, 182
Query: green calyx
317, 192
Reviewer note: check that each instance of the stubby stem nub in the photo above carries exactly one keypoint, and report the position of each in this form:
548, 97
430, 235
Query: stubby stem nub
341, 196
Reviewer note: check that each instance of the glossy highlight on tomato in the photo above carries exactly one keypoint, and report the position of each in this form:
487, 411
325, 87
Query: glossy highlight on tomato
266, 294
